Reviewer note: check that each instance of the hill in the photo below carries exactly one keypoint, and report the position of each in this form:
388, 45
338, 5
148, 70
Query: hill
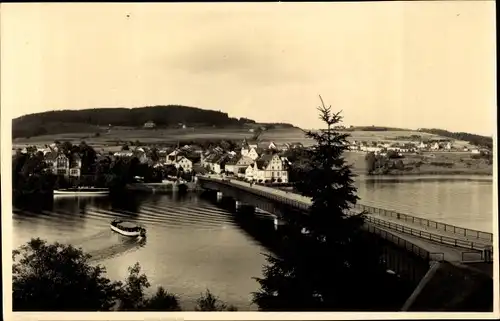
92, 120
473, 139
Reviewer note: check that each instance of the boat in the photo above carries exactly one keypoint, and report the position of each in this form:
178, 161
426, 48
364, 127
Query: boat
127, 228
84, 191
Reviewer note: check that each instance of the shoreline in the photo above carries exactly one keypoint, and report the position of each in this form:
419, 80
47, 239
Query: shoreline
427, 177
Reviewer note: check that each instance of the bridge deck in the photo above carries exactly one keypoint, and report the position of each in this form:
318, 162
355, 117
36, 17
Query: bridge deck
479, 242
402, 229
451, 254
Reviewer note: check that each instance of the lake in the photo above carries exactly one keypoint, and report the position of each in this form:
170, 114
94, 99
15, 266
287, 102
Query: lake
193, 244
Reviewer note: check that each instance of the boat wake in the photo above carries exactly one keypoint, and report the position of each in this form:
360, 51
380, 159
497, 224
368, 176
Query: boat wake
79, 242
106, 244
126, 246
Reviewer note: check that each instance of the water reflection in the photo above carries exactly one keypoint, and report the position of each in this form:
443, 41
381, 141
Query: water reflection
191, 243
462, 203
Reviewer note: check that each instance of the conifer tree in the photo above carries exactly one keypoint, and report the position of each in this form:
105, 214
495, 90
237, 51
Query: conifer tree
333, 266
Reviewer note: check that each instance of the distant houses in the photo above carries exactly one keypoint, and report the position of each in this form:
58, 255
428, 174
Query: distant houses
149, 124
251, 160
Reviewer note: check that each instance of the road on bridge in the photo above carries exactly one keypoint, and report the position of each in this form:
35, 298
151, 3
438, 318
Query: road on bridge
404, 230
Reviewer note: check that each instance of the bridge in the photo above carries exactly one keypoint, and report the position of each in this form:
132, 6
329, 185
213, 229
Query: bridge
426, 253
431, 240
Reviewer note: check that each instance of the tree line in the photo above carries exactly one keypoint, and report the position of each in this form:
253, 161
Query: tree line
326, 261
88, 120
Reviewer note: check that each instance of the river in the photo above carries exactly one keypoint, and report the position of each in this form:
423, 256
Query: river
193, 244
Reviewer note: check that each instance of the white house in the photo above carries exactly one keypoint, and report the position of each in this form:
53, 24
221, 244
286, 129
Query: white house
185, 163
252, 152
448, 146
372, 149
124, 153
435, 146
268, 168
172, 157
475, 151
216, 162
272, 146
149, 124
422, 145
249, 172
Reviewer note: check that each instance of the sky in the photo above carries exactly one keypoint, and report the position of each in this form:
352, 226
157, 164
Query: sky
400, 64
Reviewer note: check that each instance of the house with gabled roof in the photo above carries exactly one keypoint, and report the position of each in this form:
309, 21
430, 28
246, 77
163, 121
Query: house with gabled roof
250, 152
60, 164
184, 163
216, 162
141, 156
268, 167
236, 162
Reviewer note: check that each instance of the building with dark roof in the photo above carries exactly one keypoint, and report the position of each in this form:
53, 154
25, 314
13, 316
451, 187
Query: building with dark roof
60, 164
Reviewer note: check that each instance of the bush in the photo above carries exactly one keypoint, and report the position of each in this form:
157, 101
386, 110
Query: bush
210, 302
40, 274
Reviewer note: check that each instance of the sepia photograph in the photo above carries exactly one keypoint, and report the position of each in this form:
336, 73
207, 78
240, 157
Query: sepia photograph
323, 160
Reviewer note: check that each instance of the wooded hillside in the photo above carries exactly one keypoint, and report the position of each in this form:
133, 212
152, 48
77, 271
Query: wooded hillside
89, 120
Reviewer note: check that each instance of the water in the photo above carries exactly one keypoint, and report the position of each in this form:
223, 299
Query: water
465, 203
193, 244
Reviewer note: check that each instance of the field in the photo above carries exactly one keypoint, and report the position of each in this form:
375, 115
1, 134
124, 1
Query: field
389, 136
119, 136
159, 136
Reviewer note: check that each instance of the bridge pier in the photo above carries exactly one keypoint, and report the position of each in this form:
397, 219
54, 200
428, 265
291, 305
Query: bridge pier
219, 196
278, 224
242, 207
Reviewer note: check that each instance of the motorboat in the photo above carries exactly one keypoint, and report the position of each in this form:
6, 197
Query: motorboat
83, 191
127, 228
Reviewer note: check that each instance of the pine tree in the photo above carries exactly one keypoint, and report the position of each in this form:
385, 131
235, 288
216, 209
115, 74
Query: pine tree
333, 267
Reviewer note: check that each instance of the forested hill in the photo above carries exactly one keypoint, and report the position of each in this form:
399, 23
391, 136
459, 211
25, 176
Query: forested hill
474, 139
56, 122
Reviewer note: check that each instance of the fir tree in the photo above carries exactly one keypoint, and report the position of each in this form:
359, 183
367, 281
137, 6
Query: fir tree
334, 266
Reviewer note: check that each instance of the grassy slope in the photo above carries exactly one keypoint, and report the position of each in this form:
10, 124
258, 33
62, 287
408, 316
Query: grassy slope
168, 135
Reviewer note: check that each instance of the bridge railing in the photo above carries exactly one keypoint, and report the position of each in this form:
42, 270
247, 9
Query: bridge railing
281, 199
393, 226
424, 254
426, 235
429, 223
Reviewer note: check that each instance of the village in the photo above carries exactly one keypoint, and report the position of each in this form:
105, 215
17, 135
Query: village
251, 160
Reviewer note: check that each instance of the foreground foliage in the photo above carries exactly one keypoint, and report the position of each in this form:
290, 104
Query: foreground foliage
60, 277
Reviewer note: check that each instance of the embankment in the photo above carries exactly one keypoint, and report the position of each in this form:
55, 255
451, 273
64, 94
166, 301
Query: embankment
162, 187
451, 287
